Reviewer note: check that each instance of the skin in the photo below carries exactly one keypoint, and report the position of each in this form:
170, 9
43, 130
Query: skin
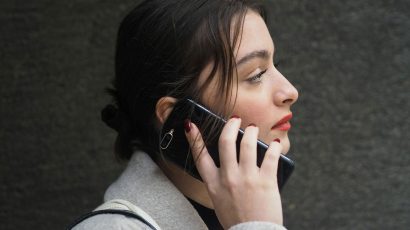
262, 101
241, 192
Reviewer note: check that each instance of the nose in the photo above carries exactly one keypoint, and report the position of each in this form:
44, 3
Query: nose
286, 94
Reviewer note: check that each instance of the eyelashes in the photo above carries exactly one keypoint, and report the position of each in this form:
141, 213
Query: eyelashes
258, 77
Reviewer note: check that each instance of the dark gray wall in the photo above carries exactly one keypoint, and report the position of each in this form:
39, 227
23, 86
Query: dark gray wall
348, 59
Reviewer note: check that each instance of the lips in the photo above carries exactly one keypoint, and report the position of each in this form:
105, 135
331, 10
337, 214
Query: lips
283, 124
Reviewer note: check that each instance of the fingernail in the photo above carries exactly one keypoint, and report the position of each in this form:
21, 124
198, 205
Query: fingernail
234, 116
187, 125
277, 140
252, 124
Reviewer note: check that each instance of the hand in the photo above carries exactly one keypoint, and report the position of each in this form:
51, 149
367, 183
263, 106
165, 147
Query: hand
240, 192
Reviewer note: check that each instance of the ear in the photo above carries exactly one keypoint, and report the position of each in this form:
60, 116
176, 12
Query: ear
164, 108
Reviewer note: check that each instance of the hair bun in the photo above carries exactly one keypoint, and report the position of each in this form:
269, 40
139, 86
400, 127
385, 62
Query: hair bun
112, 117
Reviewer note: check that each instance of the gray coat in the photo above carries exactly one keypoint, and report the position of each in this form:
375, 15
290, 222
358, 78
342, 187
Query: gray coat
144, 184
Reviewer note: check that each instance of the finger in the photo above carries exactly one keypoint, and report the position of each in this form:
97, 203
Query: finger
227, 144
269, 165
203, 161
247, 155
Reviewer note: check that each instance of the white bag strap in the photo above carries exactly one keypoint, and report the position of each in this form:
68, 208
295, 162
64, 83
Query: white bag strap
119, 204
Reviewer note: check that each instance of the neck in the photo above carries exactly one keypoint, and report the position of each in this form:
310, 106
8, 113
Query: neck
188, 185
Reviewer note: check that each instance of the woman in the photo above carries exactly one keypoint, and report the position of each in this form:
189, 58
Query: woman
220, 54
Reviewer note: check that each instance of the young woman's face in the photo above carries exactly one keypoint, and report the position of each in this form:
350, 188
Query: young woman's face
264, 95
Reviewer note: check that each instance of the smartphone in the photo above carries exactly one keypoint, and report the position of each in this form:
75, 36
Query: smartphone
175, 147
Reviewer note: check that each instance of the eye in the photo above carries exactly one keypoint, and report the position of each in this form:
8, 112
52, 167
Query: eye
257, 78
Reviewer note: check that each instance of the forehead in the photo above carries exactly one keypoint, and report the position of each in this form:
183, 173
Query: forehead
255, 36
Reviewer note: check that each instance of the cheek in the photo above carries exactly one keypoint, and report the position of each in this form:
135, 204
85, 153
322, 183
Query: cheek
251, 111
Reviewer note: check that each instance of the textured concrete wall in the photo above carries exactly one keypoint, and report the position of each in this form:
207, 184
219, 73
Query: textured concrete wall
349, 60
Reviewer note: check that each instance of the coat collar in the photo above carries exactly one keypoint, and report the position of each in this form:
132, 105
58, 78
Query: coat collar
145, 185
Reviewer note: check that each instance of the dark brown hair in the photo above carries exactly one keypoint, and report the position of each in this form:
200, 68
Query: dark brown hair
162, 47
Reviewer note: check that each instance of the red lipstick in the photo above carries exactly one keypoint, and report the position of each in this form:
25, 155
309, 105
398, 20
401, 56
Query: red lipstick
283, 124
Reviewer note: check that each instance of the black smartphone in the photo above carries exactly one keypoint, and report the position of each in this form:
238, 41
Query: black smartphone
174, 145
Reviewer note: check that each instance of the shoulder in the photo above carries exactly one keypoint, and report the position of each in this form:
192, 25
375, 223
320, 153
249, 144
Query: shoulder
111, 221
257, 225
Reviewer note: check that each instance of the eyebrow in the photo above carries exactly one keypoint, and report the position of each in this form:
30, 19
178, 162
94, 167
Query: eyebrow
263, 54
